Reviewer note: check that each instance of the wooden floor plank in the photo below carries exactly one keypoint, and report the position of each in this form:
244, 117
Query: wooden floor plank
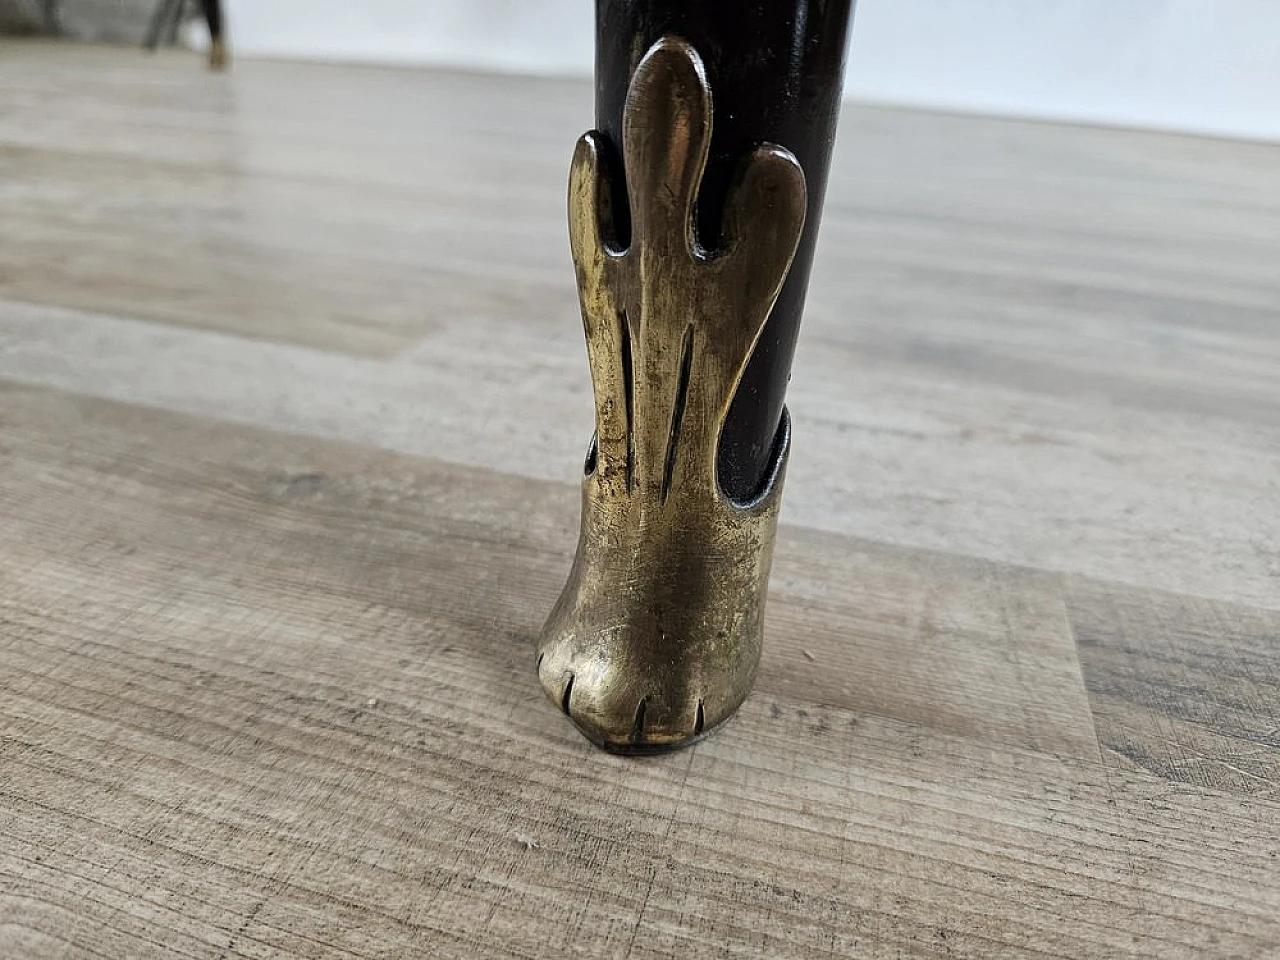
1170, 500
1038, 344
277, 691
353, 217
958, 645
1183, 687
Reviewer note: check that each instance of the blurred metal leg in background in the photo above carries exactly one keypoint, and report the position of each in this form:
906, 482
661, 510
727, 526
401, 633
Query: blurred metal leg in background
165, 20
218, 59
693, 217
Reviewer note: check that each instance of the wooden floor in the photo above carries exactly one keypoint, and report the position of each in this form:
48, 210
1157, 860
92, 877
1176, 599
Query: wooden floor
293, 398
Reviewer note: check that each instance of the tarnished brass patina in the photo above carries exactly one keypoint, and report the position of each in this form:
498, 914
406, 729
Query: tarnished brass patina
656, 637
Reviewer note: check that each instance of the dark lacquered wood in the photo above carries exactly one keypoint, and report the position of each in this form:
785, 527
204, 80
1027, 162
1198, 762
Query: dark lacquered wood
775, 68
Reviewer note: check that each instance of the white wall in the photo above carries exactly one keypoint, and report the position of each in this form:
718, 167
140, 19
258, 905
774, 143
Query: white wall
1203, 65
1209, 66
526, 36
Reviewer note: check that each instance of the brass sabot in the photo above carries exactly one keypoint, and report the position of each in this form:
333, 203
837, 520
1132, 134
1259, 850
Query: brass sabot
656, 637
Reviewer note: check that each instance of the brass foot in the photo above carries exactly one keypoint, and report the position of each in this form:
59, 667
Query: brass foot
218, 59
656, 637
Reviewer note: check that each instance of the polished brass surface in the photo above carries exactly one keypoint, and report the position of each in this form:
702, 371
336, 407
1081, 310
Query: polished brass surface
656, 637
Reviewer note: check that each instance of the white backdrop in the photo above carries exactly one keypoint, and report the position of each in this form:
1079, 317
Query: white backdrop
1209, 66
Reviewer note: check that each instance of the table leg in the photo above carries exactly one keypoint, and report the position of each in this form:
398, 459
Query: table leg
693, 216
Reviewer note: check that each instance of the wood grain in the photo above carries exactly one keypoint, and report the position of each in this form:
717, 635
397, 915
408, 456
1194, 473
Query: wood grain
268, 695
1043, 345
348, 216
1186, 688
293, 398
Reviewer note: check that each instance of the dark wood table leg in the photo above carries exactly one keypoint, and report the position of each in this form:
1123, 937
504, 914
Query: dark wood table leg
693, 217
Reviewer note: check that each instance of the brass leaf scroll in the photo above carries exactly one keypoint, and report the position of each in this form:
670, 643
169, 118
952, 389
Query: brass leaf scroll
656, 637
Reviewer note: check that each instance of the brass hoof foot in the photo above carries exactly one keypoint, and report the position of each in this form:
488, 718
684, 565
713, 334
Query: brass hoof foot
218, 58
656, 637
